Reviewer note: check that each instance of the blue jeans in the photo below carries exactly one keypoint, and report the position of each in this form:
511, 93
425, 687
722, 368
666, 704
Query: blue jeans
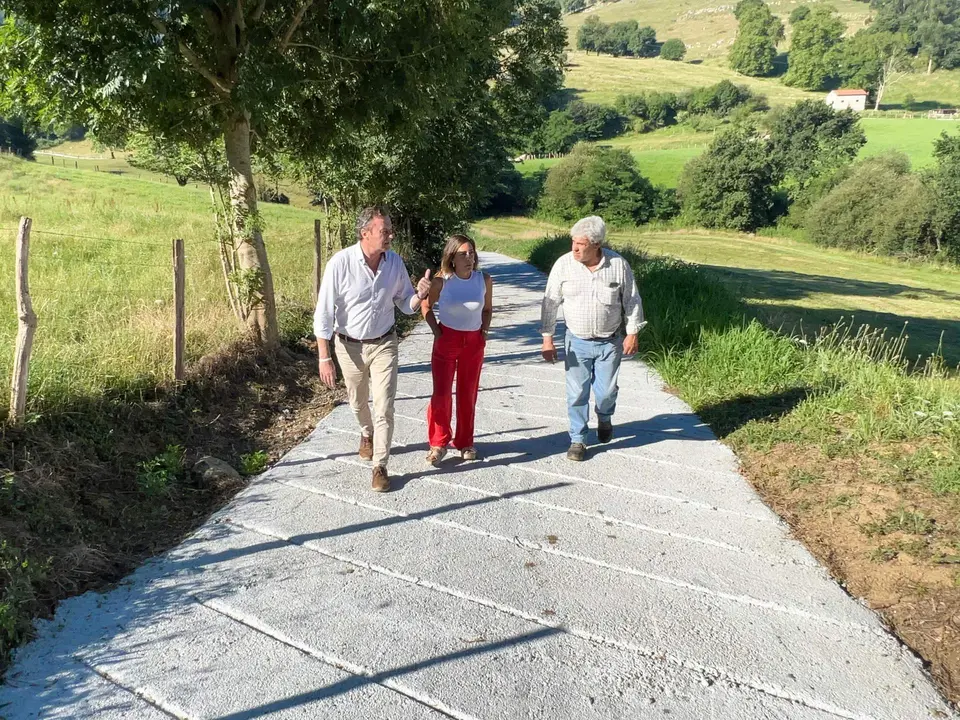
589, 363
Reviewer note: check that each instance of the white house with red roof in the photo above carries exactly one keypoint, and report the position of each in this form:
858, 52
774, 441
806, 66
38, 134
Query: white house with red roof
855, 100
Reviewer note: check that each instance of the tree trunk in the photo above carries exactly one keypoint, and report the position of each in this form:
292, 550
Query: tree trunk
880, 89
245, 220
930, 65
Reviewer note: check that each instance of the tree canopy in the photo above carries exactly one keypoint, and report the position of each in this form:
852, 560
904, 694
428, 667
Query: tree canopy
931, 28
284, 76
755, 49
815, 48
602, 181
731, 185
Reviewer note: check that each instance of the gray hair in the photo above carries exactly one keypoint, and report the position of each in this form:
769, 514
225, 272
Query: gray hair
592, 228
367, 215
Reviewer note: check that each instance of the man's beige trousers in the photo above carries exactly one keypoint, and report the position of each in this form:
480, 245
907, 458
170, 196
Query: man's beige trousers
372, 367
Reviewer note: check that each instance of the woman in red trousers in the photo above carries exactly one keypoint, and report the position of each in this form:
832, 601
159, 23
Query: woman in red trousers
458, 310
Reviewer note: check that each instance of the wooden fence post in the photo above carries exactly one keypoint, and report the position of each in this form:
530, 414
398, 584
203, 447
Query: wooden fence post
317, 258
27, 326
178, 309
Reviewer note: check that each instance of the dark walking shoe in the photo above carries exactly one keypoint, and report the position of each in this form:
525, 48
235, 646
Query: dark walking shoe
576, 452
605, 431
366, 448
381, 481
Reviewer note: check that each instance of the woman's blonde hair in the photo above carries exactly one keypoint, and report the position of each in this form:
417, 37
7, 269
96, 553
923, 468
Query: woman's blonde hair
453, 245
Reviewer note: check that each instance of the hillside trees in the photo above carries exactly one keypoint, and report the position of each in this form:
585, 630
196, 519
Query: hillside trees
731, 185
874, 60
811, 140
755, 49
282, 75
945, 183
673, 49
625, 38
815, 47
596, 180
931, 27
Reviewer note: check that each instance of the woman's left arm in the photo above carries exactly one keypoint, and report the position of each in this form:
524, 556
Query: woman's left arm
487, 315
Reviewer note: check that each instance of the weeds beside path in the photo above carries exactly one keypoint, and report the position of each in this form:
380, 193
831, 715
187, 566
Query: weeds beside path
88, 493
860, 455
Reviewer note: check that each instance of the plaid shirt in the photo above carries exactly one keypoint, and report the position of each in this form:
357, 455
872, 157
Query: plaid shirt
595, 303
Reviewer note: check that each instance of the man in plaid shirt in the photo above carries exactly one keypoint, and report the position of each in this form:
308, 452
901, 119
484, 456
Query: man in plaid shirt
603, 315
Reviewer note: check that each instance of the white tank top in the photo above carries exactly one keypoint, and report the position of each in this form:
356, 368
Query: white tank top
460, 305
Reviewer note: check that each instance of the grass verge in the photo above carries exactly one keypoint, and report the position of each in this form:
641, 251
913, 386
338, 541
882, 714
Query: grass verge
90, 491
859, 454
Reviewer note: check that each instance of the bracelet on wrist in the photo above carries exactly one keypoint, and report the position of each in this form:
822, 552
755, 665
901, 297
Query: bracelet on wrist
326, 360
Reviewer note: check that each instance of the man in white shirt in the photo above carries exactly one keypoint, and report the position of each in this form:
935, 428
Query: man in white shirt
599, 296
361, 285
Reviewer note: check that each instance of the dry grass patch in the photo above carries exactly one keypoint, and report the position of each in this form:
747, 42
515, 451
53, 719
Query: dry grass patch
886, 538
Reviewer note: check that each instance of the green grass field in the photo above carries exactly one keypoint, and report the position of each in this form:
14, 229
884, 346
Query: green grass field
796, 285
708, 29
81, 155
911, 136
102, 286
663, 154
601, 78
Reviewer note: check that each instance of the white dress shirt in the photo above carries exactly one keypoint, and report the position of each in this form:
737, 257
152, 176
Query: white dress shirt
597, 303
358, 302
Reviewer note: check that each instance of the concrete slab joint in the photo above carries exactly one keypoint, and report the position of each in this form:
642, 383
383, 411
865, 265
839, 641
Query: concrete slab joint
649, 581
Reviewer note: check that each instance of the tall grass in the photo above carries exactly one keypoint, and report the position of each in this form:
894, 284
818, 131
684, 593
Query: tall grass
102, 284
844, 390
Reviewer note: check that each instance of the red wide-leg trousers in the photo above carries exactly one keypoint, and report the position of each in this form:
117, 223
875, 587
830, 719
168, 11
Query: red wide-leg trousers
458, 353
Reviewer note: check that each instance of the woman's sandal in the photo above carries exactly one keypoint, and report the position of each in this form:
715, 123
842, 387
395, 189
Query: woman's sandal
435, 455
469, 453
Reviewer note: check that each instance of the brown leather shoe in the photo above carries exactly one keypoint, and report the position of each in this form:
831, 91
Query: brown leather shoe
381, 481
366, 448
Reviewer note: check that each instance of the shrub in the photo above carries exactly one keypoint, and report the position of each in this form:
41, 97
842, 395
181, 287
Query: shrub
513, 193
811, 139
595, 122
156, 476
944, 182
601, 181
673, 49
666, 204
719, 99
731, 185
14, 137
254, 463
880, 207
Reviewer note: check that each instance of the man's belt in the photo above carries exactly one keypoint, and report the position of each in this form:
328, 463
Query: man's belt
347, 338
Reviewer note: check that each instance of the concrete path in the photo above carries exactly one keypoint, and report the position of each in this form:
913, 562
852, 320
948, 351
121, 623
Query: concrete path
647, 582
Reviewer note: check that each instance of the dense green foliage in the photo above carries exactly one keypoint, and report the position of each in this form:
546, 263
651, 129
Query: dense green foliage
811, 140
580, 121
618, 39
13, 137
945, 189
879, 207
760, 31
650, 111
673, 49
814, 48
731, 185
602, 181
931, 28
